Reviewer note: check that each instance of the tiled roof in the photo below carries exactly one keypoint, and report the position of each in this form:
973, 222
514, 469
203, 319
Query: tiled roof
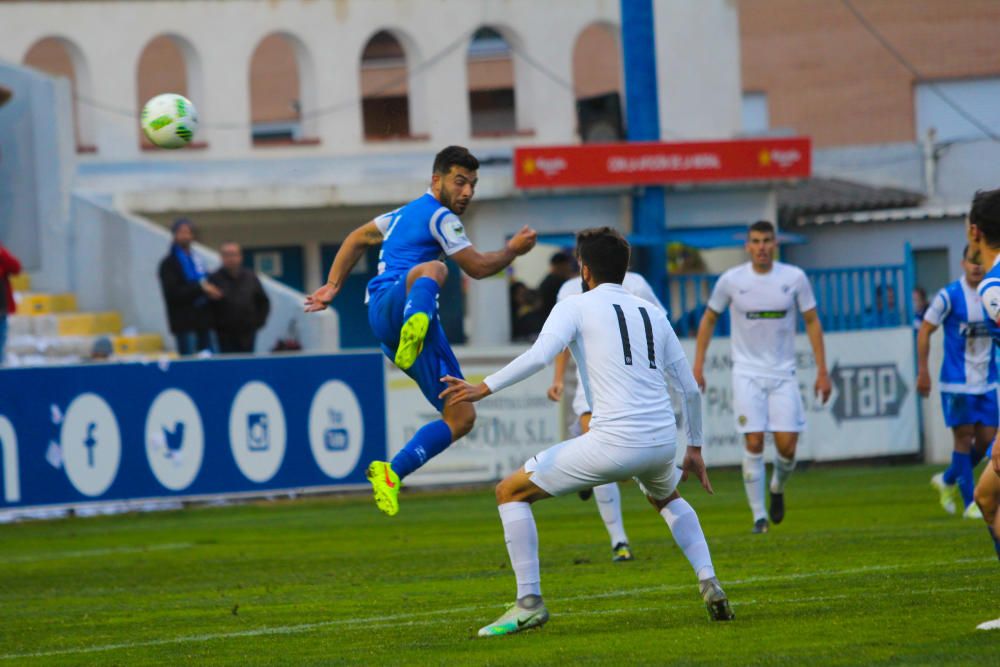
800, 203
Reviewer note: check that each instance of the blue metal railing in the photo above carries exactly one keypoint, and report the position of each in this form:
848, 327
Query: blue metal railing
847, 299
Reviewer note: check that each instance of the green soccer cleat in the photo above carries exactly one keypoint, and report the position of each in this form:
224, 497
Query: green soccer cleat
516, 619
972, 512
411, 340
715, 600
621, 552
947, 493
385, 483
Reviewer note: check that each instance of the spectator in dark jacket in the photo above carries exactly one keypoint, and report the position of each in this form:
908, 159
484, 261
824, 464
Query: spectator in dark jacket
244, 306
188, 294
9, 266
561, 268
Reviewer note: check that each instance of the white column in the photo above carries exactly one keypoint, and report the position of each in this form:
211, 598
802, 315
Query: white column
313, 265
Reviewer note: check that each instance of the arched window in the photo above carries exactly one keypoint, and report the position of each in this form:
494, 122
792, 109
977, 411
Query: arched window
281, 90
385, 101
491, 85
60, 57
597, 79
168, 64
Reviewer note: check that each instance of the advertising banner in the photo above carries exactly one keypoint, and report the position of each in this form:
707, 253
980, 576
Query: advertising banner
120, 432
650, 163
511, 426
872, 411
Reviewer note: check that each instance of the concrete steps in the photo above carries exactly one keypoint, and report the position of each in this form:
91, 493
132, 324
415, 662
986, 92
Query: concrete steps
49, 329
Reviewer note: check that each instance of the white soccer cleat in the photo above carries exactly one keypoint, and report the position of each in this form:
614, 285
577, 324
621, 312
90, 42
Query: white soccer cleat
946, 493
516, 619
989, 625
972, 512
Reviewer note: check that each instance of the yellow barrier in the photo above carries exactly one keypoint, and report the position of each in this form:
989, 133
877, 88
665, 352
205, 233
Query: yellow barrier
138, 344
21, 282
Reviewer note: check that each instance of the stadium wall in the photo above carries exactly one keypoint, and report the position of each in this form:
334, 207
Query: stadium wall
36, 169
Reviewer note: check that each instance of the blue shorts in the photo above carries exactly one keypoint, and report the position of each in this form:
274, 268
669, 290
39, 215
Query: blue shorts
385, 315
961, 409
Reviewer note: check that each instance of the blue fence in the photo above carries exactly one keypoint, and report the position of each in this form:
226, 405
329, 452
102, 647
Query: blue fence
848, 299
120, 432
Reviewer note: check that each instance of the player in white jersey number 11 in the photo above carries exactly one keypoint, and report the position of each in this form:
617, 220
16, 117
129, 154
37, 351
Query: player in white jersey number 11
608, 496
762, 296
626, 351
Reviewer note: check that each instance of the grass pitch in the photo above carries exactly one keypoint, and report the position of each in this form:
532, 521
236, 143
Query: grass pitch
866, 569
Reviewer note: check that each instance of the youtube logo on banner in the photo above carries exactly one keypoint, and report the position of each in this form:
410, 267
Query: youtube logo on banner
656, 163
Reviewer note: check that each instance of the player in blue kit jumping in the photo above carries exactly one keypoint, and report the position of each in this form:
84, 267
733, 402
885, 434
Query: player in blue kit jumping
403, 301
984, 238
968, 381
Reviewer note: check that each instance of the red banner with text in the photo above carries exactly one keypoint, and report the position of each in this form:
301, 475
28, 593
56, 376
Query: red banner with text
656, 163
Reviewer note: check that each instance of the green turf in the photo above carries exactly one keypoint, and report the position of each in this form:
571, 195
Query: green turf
866, 569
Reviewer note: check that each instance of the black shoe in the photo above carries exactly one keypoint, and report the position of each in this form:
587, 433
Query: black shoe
585, 494
760, 526
777, 509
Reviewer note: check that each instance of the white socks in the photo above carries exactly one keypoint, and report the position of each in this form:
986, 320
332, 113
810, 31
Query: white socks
686, 529
753, 480
609, 504
522, 546
782, 471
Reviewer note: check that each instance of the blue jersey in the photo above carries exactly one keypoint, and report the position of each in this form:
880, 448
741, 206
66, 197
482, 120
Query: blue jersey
969, 359
989, 293
413, 234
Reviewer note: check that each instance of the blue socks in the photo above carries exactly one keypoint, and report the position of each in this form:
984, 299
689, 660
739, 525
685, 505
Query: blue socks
428, 442
977, 456
960, 471
951, 472
422, 298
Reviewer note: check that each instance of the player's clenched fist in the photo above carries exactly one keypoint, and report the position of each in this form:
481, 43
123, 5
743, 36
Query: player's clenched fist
523, 241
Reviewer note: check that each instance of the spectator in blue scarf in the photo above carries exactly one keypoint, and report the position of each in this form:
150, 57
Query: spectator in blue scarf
188, 293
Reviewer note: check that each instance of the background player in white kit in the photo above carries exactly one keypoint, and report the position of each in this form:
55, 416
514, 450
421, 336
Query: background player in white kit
762, 296
626, 349
608, 496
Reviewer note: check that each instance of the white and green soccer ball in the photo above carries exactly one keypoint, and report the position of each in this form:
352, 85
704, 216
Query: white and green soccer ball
169, 120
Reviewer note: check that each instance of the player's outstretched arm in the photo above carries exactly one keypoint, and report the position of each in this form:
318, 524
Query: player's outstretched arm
538, 356
354, 246
460, 391
555, 391
705, 330
480, 265
923, 352
814, 330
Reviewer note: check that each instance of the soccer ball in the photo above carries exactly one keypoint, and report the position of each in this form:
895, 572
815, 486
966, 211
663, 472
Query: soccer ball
169, 120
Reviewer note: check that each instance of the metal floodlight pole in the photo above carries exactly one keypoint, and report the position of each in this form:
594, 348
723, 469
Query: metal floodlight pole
642, 109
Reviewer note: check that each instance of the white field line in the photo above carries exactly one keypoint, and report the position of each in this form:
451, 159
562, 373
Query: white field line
398, 620
85, 553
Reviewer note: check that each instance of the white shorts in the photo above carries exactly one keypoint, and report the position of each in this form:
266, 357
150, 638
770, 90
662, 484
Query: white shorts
767, 405
584, 462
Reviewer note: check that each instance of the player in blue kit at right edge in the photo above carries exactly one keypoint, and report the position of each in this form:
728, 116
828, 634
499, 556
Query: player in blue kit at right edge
403, 301
984, 237
968, 381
